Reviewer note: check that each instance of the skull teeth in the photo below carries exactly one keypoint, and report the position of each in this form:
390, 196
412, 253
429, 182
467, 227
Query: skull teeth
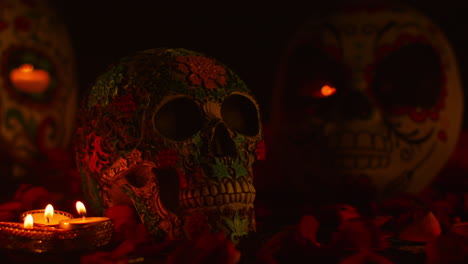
359, 141
361, 162
218, 194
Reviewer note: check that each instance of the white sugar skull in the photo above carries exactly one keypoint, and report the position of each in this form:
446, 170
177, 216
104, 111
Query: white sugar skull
38, 91
366, 97
173, 133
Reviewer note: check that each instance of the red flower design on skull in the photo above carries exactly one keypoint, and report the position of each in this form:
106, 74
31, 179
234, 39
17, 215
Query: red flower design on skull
94, 154
195, 225
202, 71
167, 158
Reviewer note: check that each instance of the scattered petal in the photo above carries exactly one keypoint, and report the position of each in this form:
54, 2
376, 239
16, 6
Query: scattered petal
97, 258
352, 235
6, 216
11, 206
33, 195
364, 257
450, 247
123, 249
422, 229
208, 248
120, 212
308, 226
381, 220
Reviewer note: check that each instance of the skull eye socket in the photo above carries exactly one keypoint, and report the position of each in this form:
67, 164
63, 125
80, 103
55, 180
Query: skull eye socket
178, 119
410, 76
139, 176
240, 114
312, 78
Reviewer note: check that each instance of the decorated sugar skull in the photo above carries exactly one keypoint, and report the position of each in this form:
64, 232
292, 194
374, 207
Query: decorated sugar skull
172, 133
366, 97
37, 91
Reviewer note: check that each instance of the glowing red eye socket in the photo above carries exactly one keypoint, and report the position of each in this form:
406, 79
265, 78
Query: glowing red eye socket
318, 90
327, 90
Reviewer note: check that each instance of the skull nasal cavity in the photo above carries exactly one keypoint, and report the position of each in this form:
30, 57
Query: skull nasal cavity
355, 105
222, 144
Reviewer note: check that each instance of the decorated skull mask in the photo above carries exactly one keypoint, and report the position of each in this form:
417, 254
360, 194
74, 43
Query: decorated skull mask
37, 92
367, 97
173, 133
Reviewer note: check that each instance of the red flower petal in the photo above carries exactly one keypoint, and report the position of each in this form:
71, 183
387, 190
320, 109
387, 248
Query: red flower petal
120, 212
33, 195
450, 247
21, 189
222, 80
11, 206
366, 257
167, 158
123, 249
125, 230
308, 226
97, 258
210, 84
357, 234
195, 79
195, 225
209, 248
140, 234
422, 229
7, 216
352, 235
183, 68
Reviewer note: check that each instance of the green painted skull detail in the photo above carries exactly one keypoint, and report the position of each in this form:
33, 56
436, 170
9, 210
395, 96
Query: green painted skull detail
173, 133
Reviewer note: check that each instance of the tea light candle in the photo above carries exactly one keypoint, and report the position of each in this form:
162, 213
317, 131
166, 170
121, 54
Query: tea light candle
47, 216
77, 234
83, 220
29, 80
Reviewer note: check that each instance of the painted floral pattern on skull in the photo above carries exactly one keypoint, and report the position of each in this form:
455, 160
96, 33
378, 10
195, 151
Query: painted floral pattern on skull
202, 70
174, 134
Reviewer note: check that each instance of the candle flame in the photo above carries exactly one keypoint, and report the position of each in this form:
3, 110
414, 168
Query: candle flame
317, 89
28, 221
327, 90
26, 68
80, 208
49, 212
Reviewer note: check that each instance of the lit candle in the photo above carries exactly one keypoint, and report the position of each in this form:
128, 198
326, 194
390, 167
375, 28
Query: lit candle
81, 209
83, 220
28, 222
49, 213
47, 216
29, 80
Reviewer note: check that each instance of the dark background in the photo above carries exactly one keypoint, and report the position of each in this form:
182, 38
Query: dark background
248, 36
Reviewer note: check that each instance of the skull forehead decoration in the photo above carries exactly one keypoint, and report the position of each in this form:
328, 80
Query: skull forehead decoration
173, 133
368, 96
38, 88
